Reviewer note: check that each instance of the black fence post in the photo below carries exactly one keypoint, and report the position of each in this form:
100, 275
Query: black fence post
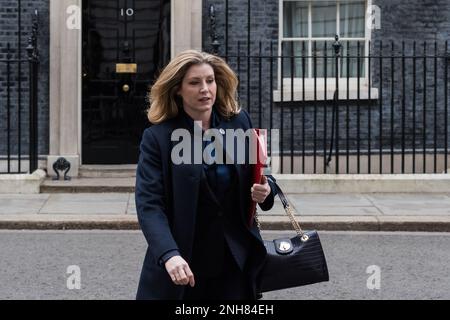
8, 106
335, 115
33, 59
214, 42
447, 58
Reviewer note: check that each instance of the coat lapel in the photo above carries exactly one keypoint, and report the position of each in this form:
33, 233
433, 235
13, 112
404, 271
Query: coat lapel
185, 184
241, 169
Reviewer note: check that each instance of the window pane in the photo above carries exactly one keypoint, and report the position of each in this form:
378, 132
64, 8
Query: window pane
299, 58
323, 18
324, 57
352, 15
349, 61
295, 19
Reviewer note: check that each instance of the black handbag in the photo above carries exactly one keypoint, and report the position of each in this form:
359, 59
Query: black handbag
292, 262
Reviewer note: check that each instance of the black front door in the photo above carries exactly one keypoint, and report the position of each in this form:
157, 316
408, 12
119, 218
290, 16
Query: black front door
125, 44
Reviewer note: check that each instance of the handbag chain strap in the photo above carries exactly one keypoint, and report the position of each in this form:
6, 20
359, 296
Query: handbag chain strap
286, 206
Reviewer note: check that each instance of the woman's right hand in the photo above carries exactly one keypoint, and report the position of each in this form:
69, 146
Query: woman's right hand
179, 271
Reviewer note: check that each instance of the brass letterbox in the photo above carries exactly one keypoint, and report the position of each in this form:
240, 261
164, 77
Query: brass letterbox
126, 67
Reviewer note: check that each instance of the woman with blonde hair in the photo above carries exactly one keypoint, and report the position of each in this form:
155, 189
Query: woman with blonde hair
193, 215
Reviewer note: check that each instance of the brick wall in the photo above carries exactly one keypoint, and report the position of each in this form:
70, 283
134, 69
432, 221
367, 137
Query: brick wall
9, 34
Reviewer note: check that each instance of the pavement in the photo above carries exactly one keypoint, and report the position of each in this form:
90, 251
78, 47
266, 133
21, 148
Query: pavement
324, 211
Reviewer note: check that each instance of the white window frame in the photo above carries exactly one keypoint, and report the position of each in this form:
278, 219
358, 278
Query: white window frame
319, 93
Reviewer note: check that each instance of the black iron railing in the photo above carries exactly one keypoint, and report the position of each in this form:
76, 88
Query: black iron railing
388, 115
394, 120
342, 106
19, 152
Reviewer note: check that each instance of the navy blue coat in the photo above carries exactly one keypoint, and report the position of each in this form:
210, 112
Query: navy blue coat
166, 204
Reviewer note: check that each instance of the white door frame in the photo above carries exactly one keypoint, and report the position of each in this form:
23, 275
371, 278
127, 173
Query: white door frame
65, 71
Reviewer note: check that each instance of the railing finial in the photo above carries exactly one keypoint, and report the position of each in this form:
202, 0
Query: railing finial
337, 45
33, 53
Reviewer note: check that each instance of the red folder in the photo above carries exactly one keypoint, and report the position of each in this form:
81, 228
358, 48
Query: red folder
261, 158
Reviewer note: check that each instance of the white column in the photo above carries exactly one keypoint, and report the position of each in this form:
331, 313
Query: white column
65, 84
186, 25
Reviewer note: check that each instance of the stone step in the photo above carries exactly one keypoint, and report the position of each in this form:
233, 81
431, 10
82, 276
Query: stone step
108, 171
89, 185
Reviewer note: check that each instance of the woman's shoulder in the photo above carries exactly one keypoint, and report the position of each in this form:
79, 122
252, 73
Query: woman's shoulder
159, 131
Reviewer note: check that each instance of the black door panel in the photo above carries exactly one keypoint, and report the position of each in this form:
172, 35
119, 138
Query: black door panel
125, 44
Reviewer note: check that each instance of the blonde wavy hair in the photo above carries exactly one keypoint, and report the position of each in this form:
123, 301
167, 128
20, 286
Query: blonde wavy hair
164, 102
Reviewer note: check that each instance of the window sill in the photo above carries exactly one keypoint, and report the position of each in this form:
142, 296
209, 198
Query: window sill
321, 95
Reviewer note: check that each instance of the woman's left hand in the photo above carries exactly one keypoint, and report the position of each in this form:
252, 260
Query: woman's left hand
260, 191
